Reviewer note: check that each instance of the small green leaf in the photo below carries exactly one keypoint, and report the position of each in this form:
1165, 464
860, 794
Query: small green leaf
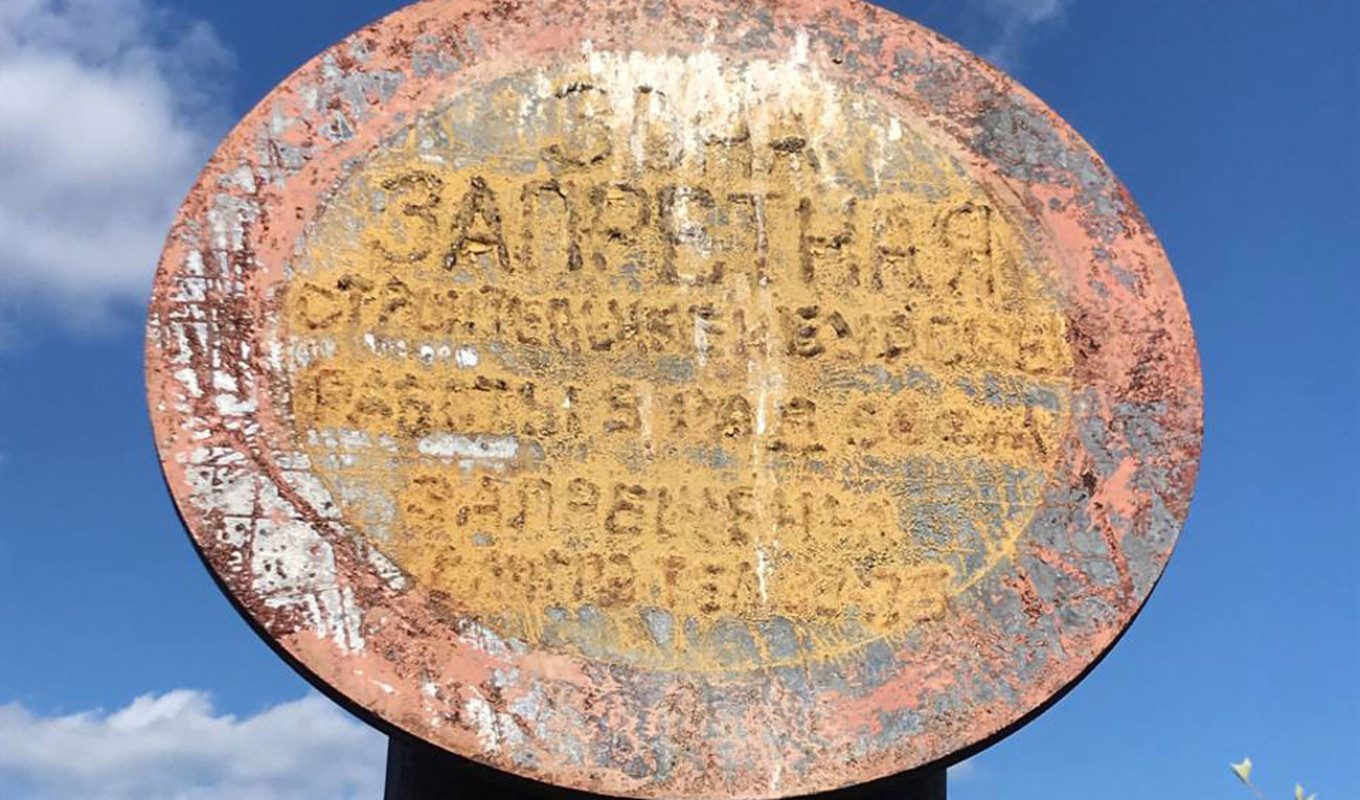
1243, 770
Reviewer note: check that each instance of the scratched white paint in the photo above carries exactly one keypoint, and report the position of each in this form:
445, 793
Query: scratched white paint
232, 406
290, 565
713, 98
762, 571
476, 635
483, 720
701, 341
454, 445
467, 357
189, 380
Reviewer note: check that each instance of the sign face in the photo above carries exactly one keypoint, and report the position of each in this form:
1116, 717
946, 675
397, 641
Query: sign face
676, 399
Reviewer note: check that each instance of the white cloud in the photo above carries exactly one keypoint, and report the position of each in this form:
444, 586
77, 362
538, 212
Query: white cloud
176, 747
108, 109
1016, 20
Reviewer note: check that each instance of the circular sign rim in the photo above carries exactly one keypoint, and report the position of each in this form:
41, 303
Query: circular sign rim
1153, 276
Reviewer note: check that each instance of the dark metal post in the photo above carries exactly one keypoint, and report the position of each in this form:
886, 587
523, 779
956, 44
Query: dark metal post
417, 771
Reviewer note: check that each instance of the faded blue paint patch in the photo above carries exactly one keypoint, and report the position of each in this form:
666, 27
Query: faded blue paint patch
661, 626
1006, 391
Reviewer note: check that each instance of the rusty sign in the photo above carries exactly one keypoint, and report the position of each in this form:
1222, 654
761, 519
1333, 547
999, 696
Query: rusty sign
676, 399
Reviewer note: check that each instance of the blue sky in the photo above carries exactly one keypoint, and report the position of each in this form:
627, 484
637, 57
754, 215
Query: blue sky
1233, 124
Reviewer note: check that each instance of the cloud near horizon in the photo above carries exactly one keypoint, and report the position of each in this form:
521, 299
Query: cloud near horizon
108, 109
176, 746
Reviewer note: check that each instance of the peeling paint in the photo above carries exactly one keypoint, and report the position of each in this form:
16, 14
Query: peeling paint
484, 318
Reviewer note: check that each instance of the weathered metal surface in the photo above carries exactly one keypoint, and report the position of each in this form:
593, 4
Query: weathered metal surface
676, 398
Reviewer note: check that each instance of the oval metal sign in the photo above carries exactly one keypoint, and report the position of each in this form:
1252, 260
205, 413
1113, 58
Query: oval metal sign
674, 399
